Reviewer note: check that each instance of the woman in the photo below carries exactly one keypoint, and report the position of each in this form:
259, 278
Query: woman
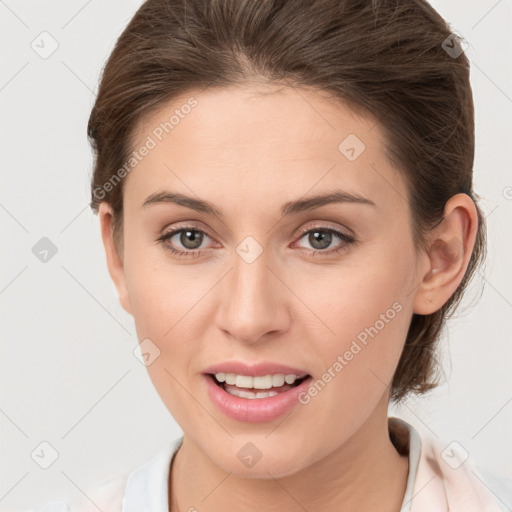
285, 197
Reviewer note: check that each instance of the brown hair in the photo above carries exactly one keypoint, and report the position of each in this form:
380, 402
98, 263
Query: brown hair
396, 60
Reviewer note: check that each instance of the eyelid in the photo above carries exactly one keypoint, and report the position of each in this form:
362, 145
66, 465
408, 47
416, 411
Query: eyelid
319, 225
326, 225
195, 225
346, 236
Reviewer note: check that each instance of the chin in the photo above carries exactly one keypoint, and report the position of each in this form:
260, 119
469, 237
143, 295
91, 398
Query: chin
257, 457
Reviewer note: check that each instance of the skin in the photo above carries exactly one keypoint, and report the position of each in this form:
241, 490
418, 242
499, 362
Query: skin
248, 150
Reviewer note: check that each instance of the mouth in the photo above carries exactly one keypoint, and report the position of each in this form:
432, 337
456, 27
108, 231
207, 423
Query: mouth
257, 387
256, 398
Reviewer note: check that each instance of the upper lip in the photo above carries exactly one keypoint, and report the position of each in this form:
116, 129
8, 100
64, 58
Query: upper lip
254, 370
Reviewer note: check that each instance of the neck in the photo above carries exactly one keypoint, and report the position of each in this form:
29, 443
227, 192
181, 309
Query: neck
366, 473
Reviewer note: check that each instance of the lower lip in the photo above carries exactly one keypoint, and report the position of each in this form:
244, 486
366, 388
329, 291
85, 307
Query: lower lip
255, 410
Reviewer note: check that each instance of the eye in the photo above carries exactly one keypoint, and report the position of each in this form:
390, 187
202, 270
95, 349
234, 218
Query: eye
321, 237
189, 237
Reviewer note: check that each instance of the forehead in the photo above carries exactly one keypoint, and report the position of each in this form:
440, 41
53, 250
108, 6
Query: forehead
248, 141
283, 117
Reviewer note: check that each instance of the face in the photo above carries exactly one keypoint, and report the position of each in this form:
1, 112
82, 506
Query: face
265, 288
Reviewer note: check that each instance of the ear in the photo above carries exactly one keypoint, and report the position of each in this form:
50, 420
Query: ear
114, 261
450, 248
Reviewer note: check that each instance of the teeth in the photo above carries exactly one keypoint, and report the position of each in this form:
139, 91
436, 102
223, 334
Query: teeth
243, 381
260, 382
251, 394
277, 380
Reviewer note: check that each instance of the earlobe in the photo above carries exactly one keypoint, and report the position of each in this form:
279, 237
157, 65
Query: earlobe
449, 252
114, 261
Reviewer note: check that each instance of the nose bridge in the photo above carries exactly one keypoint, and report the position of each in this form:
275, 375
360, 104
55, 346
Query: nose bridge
251, 299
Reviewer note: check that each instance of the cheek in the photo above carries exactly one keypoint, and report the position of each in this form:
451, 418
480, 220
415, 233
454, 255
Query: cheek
367, 310
157, 289
164, 305
156, 300
169, 305
358, 311
163, 300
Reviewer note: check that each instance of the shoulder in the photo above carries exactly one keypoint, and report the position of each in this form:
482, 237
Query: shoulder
107, 498
498, 485
145, 487
447, 474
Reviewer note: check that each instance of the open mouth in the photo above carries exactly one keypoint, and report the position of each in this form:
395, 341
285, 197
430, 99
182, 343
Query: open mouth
256, 387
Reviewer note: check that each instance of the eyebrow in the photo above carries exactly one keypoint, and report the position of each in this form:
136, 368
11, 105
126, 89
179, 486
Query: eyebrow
290, 208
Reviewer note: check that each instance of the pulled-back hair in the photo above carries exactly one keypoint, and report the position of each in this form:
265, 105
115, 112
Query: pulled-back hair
395, 60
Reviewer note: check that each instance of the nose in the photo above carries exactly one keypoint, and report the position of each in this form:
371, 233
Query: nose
253, 301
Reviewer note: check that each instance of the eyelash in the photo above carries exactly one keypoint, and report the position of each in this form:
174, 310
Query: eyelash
347, 239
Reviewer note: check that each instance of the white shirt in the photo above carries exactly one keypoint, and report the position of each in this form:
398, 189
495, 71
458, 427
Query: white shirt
436, 482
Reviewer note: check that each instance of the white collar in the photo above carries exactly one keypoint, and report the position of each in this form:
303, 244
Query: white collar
147, 487
414, 449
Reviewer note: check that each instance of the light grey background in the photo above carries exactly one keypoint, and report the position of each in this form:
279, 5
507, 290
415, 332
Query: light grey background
68, 373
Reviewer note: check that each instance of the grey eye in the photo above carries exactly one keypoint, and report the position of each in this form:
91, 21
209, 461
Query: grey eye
319, 238
190, 238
